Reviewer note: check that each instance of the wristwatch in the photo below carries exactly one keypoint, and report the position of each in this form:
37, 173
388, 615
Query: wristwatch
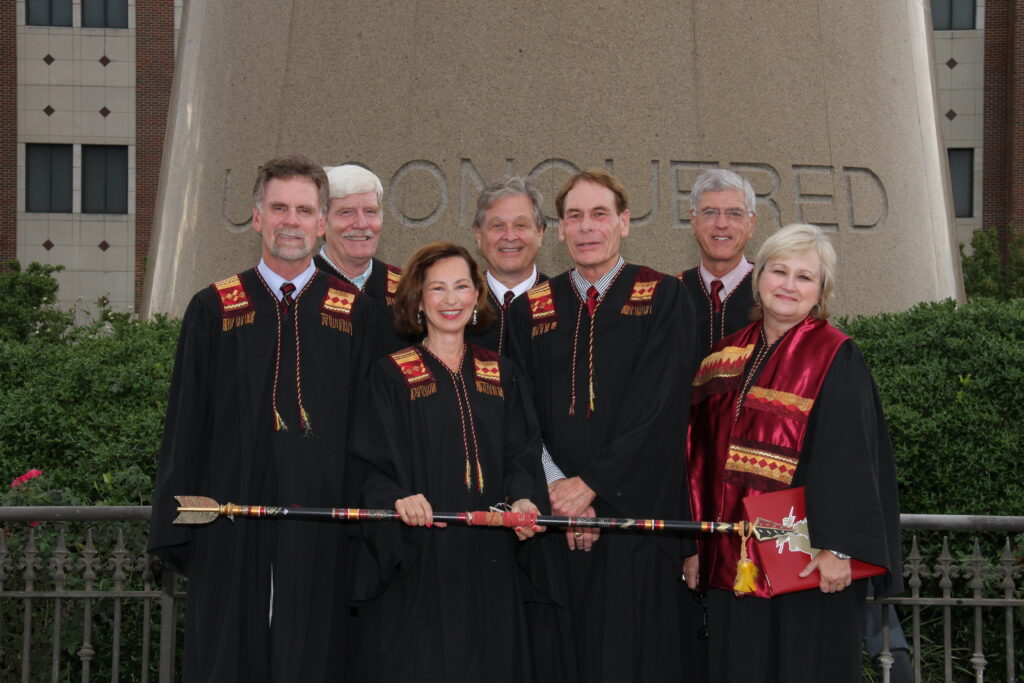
839, 555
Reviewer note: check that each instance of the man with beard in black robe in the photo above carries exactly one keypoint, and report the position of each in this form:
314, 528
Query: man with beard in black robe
608, 348
268, 362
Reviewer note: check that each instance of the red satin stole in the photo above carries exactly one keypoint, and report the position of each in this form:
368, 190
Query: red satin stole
730, 455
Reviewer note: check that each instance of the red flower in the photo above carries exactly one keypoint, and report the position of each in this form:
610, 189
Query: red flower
31, 474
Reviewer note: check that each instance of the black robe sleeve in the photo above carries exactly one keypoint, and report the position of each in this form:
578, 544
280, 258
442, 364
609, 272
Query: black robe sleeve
848, 468
186, 430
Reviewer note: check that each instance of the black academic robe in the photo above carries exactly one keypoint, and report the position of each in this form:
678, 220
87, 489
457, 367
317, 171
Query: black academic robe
219, 441
376, 286
734, 316
376, 289
440, 605
613, 612
847, 466
495, 336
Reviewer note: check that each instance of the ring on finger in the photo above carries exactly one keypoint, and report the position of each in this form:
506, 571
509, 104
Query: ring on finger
578, 533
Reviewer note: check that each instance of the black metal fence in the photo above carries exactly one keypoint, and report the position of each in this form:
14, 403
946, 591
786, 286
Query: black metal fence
81, 600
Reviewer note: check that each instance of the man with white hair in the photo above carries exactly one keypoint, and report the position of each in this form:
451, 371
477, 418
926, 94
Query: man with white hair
723, 214
354, 221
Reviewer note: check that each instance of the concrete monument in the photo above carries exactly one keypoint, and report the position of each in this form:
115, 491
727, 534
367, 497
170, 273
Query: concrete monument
828, 106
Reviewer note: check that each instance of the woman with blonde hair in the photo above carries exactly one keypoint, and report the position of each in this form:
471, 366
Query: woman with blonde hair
789, 401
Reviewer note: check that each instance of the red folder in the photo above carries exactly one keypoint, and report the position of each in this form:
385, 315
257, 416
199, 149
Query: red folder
783, 558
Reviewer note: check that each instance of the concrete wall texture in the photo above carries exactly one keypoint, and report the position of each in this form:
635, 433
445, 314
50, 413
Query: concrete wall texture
827, 106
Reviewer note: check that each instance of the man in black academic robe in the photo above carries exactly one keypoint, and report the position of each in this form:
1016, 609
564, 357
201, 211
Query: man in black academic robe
267, 366
352, 235
723, 214
608, 348
509, 228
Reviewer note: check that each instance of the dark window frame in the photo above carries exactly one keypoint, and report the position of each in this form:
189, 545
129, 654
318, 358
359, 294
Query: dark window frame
954, 15
49, 173
104, 13
43, 12
961, 180
105, 179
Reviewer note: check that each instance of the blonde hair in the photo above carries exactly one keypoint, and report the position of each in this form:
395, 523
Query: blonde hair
793, 240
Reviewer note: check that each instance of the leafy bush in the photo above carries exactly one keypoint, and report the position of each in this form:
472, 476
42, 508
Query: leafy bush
28, 303
89, 412
949, 378
984, 272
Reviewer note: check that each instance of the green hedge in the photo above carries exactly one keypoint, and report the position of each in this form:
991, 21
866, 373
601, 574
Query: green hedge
950, 380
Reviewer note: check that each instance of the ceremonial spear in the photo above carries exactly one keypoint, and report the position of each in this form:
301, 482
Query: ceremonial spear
196, 510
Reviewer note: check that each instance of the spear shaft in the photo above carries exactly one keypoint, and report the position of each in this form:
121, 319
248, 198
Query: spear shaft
193, 510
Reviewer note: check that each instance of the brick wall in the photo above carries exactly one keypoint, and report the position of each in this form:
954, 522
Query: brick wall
154, 53
8, 131
1004, 117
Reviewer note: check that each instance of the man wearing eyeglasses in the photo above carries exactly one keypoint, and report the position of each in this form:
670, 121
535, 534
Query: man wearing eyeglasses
509, 228
723, 216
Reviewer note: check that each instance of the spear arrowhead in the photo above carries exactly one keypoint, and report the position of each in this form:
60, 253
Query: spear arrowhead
194, 510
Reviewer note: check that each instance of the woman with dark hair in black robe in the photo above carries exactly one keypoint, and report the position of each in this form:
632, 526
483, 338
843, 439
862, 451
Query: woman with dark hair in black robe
446, 426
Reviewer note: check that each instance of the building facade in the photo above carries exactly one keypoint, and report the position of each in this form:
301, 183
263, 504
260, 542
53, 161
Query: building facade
84, 93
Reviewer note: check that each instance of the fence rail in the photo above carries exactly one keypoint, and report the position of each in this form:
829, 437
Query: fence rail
73, 592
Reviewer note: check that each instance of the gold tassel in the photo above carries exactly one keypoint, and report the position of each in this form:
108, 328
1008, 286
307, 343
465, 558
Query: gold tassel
422, 391
635, 309
337, 323
469, 485
279, 425
591, 406
746, 570
490, 389
543, 328
307, 427
479, 476
238, 320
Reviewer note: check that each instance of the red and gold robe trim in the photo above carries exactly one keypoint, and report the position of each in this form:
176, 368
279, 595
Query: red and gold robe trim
779, 402
417, 375
394, 276
639, 302
542, 309
729, 362
487, 372
235, 306
761, 463
336, 310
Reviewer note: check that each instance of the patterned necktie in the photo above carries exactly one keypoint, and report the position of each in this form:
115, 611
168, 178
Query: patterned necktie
287, 302
591, 300
509, 295
716, 295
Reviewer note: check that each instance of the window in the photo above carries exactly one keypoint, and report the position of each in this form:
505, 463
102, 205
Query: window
48, 178
48, 12
104, 179
961, 178
105, 13
952, 15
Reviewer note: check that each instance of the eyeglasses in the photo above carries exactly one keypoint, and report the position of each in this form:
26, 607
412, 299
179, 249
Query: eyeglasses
730, 214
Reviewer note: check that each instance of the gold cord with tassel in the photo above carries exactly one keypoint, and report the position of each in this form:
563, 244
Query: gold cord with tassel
746, 570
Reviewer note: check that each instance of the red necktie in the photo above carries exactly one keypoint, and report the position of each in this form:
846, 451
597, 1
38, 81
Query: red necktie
716, 300
508, 299
591, 300
287, 301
